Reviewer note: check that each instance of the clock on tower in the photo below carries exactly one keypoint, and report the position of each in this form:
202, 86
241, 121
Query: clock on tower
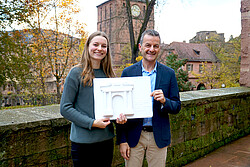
112, 19
135, 10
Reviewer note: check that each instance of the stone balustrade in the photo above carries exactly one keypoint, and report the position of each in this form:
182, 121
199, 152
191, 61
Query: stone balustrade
39, 136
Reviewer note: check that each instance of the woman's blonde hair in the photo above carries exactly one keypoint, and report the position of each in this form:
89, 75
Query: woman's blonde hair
106, 63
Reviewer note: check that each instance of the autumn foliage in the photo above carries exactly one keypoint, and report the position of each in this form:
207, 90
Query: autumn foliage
54, 39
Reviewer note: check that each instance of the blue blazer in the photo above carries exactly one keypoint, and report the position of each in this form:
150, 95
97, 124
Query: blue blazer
165, 79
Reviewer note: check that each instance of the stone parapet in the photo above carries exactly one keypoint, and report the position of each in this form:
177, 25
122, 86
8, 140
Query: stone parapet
35, 136
39, 136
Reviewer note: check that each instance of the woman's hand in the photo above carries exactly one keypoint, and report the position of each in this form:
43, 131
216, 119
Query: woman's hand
101, 123
122, 119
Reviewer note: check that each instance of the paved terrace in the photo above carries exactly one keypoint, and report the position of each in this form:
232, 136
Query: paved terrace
235, 154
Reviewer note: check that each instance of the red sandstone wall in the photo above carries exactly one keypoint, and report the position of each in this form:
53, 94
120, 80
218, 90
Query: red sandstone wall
112, 19
245, 43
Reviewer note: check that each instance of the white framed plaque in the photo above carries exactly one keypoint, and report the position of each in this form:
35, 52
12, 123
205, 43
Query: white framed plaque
128, 95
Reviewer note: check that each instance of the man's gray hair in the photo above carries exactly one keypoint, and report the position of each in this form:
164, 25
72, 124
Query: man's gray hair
149, 32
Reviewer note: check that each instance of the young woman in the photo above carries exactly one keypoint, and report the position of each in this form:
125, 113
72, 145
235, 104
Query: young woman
92, 139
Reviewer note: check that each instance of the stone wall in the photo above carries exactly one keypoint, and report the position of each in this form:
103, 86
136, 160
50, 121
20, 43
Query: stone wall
245, 43
39, 136
36, 136
208, 119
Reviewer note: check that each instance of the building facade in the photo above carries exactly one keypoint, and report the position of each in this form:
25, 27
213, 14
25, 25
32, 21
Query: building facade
245, 43
196, 54
112, 19
203, 36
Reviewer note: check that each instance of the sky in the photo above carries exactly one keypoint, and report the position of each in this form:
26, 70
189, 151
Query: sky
179, 20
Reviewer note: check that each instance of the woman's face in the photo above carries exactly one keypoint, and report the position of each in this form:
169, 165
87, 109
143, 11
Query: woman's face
98, 48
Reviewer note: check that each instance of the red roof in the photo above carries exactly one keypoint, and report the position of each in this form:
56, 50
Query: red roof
193, 51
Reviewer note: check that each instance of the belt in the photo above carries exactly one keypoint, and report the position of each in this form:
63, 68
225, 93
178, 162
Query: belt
147, 128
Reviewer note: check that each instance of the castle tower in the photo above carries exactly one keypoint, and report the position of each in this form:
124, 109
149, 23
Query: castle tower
245, 41
112, 19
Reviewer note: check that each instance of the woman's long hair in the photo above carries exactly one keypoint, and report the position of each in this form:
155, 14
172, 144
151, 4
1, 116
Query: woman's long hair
106, 63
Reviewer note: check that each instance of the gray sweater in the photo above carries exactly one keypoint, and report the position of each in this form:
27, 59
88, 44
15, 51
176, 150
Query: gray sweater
77, 106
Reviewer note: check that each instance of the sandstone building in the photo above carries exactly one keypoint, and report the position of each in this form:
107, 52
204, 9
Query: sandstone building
112, 19
196, 54
203, 36
245, 43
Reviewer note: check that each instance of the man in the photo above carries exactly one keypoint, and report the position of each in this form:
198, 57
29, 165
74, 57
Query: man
150, 135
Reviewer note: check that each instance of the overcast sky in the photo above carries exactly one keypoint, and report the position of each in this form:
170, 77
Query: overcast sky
179, 20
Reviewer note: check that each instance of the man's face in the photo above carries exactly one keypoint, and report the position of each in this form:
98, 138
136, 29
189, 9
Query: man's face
150, 48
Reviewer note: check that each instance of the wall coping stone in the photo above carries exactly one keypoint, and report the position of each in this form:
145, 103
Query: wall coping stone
15, 119
210, 95
21, 118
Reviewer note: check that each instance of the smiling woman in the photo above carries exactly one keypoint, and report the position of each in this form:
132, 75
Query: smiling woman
96, 55
77, 105
97, 50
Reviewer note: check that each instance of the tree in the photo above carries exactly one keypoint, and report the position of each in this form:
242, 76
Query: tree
173, 62
134, 43
54, 47
13, 11
209, 75
126, 53
15, 55
228, 70
217, 76
230, 62
15, 58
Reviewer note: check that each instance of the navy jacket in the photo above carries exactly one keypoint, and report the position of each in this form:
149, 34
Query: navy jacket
165, 79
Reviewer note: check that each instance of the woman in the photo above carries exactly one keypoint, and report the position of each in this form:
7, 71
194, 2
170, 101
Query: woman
92, 139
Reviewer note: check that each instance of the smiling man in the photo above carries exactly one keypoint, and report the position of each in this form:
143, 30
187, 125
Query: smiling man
150, 136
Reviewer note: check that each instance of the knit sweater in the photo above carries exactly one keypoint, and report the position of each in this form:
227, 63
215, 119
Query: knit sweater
77, 106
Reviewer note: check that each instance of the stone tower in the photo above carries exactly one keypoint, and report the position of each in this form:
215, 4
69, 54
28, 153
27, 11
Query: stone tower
112, 19
245, 43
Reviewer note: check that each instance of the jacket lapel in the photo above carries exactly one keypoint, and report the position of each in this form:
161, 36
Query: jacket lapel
158, 76
138, 71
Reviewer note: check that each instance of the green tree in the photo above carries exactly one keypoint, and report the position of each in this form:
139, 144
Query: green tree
216, 75
209, 76
54, 47
215, 44
13, 11
229, 69
176, 64
126, 59
15, 56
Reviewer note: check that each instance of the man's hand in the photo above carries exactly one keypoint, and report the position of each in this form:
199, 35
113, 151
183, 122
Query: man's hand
125, 150
159, 96
122, 119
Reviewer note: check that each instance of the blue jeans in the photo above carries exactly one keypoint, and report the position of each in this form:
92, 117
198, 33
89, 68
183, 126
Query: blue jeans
94, 154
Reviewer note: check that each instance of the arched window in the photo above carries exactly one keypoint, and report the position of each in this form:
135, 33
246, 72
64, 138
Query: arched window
201, 86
